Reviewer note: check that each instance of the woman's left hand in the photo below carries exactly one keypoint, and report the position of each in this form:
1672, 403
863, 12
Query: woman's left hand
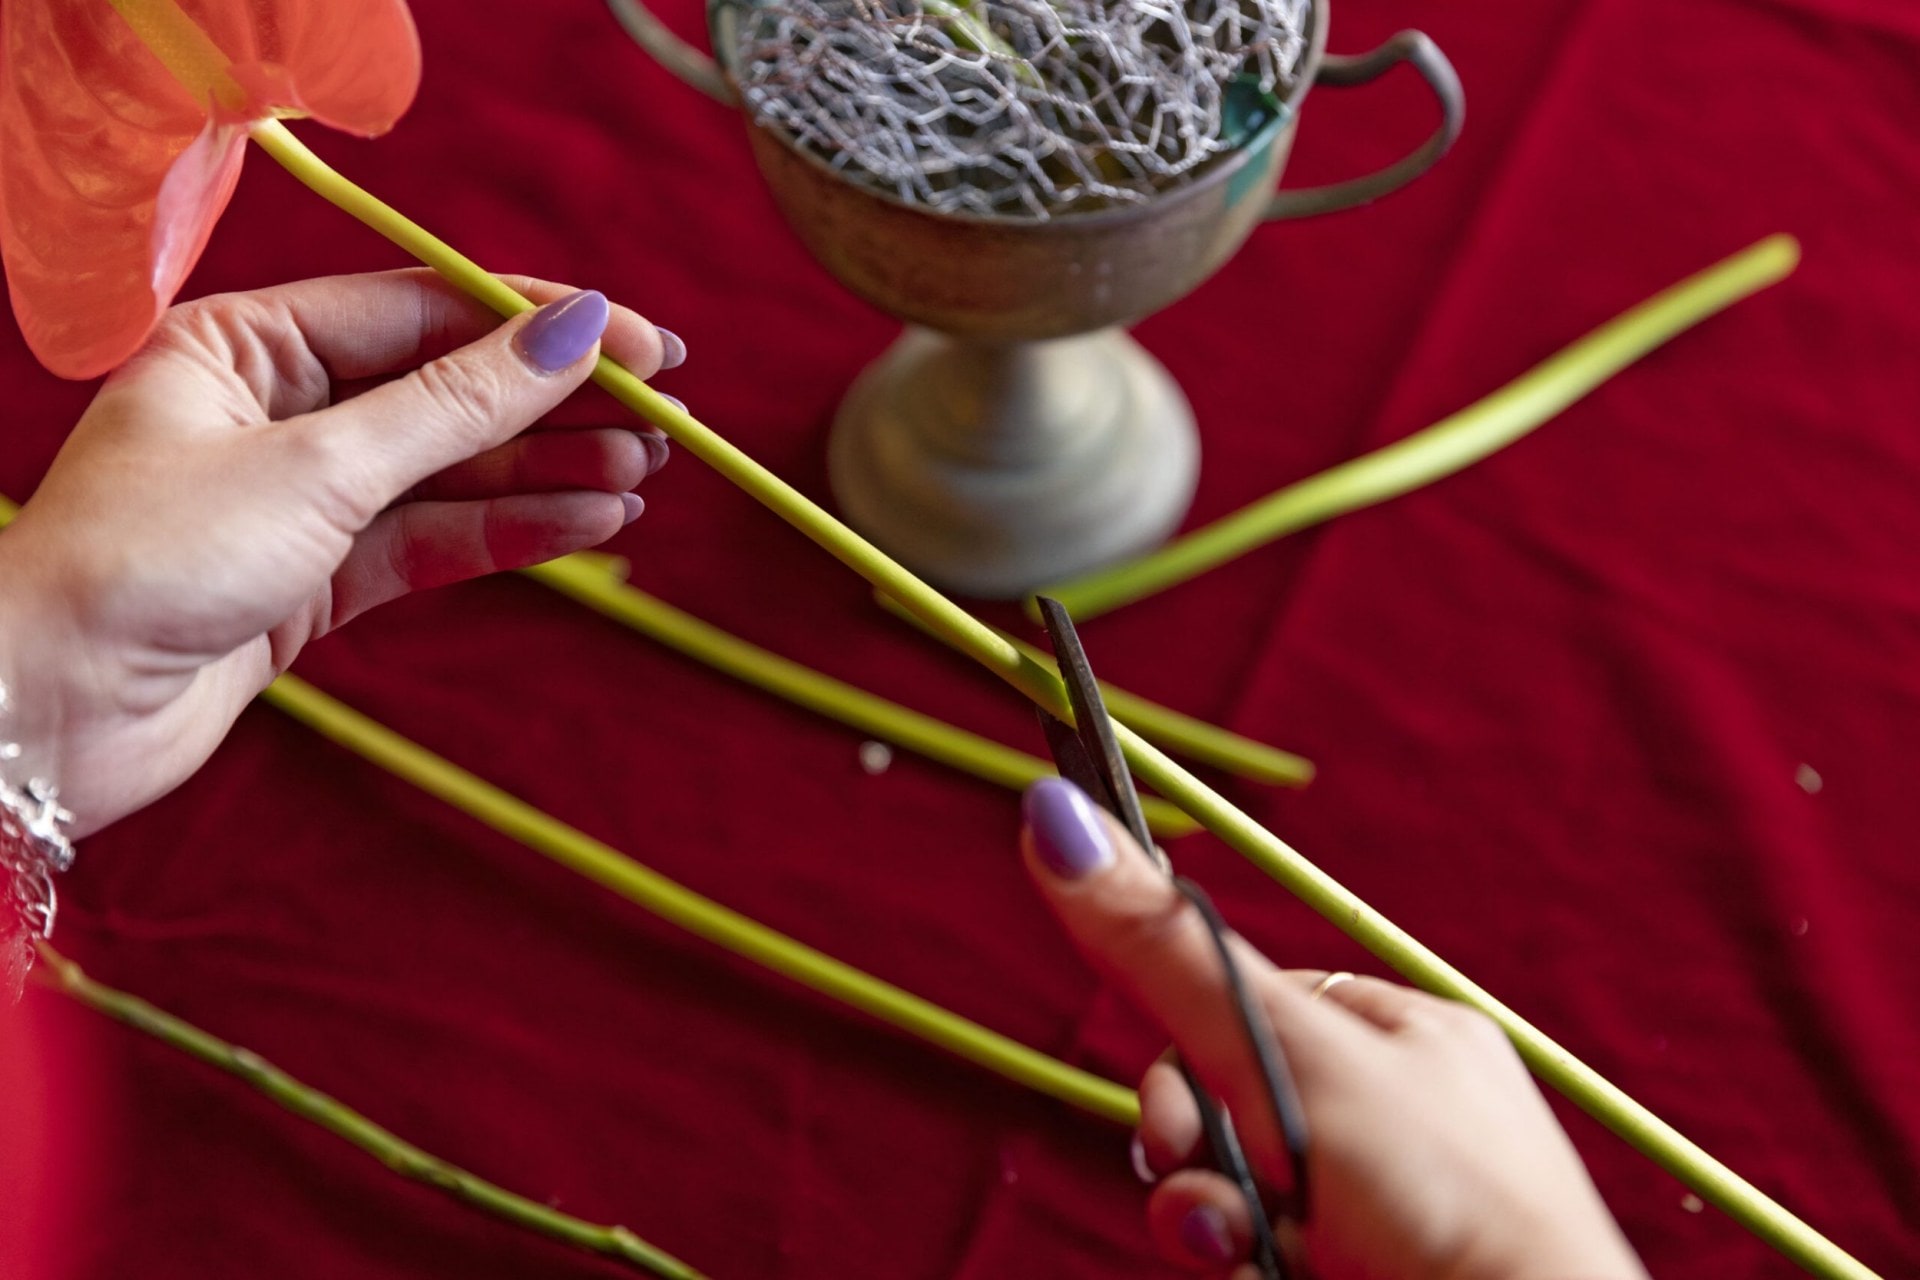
269, 466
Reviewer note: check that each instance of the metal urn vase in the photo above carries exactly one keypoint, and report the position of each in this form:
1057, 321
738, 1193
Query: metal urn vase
1015, 435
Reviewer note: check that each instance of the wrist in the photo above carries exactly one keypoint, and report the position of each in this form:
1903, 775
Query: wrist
34, 833
100, 685
35, 828
35, 649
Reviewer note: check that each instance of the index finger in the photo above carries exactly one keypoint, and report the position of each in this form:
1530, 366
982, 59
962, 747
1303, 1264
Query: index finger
1130, 921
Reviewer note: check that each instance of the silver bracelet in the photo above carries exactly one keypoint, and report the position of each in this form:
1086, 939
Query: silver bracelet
33, 849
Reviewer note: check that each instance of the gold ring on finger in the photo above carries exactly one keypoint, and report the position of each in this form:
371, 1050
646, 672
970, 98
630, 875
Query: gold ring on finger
1328, 983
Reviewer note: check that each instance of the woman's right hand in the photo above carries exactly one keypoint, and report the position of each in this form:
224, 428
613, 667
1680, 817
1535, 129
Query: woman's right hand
1432, 1155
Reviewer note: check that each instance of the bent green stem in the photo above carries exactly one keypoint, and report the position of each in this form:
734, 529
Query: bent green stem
597, 581
698, 915
329, 1113
1452, 444
1709, 1178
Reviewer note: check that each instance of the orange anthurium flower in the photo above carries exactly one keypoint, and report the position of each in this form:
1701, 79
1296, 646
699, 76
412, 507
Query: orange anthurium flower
122, 126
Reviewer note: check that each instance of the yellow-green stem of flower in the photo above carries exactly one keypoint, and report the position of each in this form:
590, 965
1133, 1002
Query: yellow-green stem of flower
1454, 443
598, 582
1173, 730
329, 1113
701, 916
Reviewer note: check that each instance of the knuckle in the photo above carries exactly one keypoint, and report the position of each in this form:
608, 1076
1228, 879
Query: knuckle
498, 542
257, 337
1147, 928
1471, 1027
402, 550
271, 354
347, 487
193, 326
464, 391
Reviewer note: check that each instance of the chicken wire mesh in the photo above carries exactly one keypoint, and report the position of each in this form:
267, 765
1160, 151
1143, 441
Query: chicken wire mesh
1015, 108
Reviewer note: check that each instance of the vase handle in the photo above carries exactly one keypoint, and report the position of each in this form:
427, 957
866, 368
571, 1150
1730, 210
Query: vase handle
1418, 49
671, 52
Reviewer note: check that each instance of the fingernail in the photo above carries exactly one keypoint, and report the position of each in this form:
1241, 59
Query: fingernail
657, 451
673, 349
1204, 1234
634, 505
1137, 1152
1067, 831
561, 332
675, 401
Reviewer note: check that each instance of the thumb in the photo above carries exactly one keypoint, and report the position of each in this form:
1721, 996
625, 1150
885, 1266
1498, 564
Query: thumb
1129, 920
386, 441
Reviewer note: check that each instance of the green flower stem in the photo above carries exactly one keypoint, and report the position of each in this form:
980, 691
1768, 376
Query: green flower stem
1709, 1178
1175, 731
1449, 445
970, 29
681, 906
973, 30
405, 1159
698, 915
596, 581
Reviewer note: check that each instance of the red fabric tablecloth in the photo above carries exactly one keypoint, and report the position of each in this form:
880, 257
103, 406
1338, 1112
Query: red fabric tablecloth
1569, 707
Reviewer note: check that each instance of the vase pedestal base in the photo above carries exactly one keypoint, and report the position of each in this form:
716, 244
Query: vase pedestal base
995, 468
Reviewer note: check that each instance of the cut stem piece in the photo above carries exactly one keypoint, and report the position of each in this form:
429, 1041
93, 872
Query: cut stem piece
597, 581
1172, 730
63, 975
1450, 445
701, 916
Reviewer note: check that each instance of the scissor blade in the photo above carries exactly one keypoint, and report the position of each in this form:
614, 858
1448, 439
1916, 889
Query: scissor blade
1090, 716
1071, 759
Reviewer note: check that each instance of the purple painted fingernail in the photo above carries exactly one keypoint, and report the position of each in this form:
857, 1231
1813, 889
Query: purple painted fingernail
634, 505
673, 349
1067, 831
1204, 1234
562, 332
657, 451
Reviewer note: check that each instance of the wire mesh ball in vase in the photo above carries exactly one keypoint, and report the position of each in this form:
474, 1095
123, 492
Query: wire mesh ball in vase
1018, 179
1018, 108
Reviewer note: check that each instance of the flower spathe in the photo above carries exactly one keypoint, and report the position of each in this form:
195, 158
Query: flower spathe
122, 128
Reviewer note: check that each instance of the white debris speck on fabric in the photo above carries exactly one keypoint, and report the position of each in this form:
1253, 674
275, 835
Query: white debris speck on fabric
1809, 779
875, 757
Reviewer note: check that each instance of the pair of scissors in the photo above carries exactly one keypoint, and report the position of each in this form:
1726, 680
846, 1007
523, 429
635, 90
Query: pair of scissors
1087, 754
